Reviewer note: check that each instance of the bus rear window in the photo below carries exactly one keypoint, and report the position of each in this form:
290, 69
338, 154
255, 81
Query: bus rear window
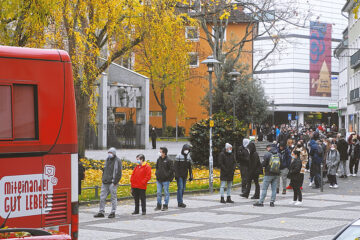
5, 112
18, 112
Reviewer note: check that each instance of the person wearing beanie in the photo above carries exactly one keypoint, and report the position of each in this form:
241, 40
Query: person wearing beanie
110, 179
244, 159
227, 166
182, 167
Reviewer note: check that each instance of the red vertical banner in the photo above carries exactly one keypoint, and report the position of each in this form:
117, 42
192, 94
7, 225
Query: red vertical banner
320, 59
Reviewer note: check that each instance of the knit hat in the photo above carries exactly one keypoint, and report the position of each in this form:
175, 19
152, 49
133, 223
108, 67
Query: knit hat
246, 142
112, 150
228, 145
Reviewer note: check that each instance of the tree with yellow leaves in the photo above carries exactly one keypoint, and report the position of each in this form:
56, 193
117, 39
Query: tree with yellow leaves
164, 54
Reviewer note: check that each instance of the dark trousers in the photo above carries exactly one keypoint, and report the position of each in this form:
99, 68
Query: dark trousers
297, 193
354, 163
257, 185
332, 179
243, 172
153, 141
315, 172
139, 194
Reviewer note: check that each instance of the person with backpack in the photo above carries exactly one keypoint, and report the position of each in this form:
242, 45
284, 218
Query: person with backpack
285, 157
164, 175
296, 177
316, 153
182, 168
332, 162
271, 164
227, 168
255, 169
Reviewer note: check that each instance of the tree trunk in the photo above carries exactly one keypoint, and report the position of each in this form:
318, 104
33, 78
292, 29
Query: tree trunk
82, 112
163, 112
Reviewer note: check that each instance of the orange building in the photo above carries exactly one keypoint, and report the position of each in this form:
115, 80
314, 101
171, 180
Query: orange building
198, 84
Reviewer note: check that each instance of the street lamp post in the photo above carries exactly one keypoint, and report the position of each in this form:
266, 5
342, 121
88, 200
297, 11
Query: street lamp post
210, 62
234, 74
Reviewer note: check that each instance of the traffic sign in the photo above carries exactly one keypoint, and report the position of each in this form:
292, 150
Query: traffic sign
289, 116
211, 123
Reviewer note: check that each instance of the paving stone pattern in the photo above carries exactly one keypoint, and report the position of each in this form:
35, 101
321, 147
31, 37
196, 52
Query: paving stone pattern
319, 218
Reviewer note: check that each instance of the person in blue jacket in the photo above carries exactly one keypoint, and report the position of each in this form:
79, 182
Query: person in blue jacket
316, 154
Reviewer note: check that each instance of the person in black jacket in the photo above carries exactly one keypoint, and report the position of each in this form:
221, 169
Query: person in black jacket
153, 136
255, 169
295, 176
342, 147
354, 156
164, 175
244, 159
182, 167
227, 166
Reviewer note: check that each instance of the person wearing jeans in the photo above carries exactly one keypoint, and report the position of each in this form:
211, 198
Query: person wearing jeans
270, 178
227, 168
164, 175
182, 168
285, 157
110, 180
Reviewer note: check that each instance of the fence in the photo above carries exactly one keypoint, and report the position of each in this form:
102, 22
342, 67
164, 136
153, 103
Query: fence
97, 188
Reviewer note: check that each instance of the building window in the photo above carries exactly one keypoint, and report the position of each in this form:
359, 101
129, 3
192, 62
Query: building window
18, 112
194, 59
155, 113
192, 33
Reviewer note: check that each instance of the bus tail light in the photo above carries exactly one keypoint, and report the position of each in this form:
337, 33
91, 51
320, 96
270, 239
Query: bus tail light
74, 220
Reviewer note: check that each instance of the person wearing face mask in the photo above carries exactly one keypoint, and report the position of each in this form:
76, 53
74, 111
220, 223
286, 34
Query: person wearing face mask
296, 177
110, 179
227, 166
182, 168
139, 179
332, 162
164, 175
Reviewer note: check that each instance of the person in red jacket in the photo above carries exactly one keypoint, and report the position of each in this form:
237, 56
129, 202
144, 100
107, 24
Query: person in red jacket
139, 179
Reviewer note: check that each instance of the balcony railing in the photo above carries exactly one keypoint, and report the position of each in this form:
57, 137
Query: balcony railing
355, 60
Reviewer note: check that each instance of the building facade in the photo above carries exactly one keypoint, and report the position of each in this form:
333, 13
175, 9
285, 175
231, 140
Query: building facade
301, 77
353, 71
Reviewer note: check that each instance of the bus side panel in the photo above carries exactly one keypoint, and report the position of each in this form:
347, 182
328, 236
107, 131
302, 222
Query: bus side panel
57, 170
67, 141
21, 188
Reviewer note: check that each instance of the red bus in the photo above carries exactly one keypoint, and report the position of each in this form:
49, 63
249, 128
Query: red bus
38, 140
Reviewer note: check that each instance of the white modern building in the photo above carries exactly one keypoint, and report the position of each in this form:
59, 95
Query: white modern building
301, 75
352, 117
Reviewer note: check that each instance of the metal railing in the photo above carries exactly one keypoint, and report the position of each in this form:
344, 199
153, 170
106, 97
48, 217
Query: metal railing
98, 188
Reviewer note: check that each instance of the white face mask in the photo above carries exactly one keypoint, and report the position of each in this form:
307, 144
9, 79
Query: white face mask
186, 151
332, 148
110, 155
159, 154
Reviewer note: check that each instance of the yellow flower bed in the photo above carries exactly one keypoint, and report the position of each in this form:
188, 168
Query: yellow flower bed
93, 175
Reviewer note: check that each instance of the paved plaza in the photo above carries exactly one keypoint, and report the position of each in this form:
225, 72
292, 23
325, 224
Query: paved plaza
319, 218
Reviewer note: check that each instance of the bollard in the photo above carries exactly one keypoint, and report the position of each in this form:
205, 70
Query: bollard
321, 177
96, 191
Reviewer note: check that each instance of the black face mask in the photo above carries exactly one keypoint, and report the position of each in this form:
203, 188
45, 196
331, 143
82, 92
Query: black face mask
299, 145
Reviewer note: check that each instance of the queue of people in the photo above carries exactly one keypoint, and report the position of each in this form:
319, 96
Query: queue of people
290, 157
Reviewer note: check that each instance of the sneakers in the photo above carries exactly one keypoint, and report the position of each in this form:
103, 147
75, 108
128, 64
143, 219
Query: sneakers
354, 175
311, 183
165, 207
158, 207
298, 203
99, 215
111, 215
335, 186
222, 200
272, 204
331, 186
258, 204
182, 205
349, 175
292, 202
